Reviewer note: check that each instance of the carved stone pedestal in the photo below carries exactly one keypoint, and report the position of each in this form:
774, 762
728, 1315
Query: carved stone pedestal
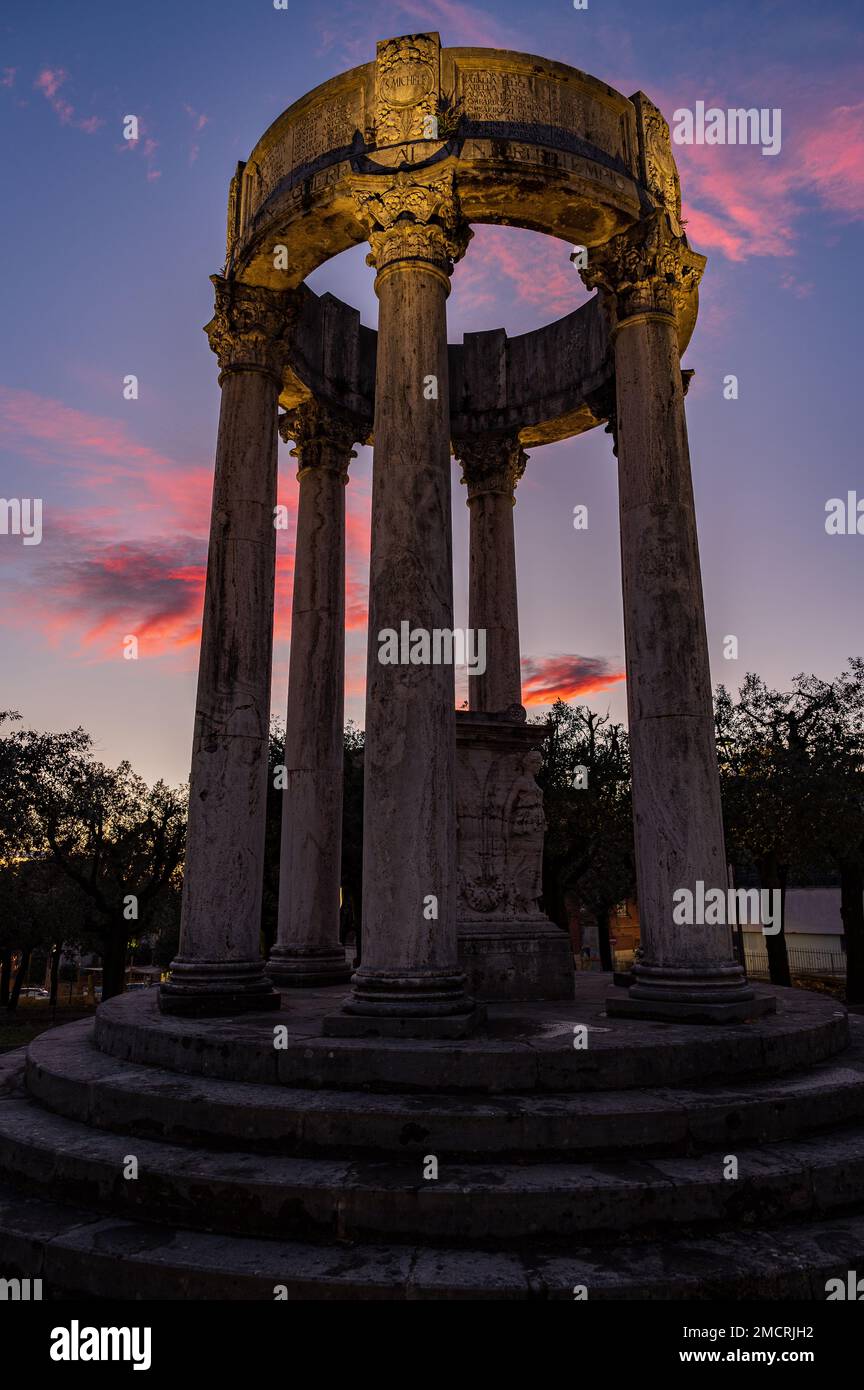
507, 947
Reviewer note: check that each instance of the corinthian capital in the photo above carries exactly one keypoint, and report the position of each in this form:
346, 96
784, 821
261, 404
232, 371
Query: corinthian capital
491, 463
411, 216
647, 268
251, 326
322, 436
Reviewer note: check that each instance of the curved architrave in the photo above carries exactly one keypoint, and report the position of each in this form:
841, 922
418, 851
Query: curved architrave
546, 384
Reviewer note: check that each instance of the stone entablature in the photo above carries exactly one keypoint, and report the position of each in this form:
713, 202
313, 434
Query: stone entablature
572, 140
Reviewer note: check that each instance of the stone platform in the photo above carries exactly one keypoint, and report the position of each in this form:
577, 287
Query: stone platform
303, 1165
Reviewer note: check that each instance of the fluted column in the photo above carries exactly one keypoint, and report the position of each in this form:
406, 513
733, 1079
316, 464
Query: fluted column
219, 968
687, 971
409, 981
491, 467
307, 950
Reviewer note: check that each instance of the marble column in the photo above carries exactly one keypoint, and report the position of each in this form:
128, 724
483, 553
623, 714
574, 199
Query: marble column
307, 950
219, 969
686, 971
491, 467
409, 981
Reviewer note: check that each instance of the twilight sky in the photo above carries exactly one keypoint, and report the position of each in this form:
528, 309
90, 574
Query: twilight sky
107, 251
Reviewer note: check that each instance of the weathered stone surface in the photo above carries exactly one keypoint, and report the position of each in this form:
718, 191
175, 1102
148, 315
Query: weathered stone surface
307, 949
242, 1188
409, 969
67, 1075
507, 947
387, 1196
523, 1047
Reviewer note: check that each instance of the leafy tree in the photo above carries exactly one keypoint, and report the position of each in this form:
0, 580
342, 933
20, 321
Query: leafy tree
117, 840
837, 756
589, 839
783, 758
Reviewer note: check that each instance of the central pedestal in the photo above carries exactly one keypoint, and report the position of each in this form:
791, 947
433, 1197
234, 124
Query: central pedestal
507, 947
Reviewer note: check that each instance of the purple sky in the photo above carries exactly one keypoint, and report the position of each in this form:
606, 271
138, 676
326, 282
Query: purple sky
108, 249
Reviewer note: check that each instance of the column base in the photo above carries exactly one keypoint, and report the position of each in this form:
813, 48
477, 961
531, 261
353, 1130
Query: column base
214, 989
707, 994
419, 1004
304, 968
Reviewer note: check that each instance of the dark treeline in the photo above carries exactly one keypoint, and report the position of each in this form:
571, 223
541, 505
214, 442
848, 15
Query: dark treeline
792, 782
91, 857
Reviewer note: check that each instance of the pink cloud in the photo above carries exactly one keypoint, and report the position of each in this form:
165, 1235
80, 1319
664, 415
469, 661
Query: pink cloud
503, 264
8, 78
196, 117
49, 82
131, 556
742, 203
147, 146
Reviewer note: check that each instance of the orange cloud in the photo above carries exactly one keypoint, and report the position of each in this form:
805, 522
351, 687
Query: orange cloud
551, 678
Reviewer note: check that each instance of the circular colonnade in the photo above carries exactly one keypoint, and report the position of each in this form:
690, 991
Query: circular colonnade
405, 153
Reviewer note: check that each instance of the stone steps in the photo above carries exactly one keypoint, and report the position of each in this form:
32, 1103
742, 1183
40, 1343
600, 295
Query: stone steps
330, 1199
71, 1078
79, 1253
304, 1166
523, 1048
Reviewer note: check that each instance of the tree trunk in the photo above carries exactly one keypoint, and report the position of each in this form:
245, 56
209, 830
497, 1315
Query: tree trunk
852, 912
5, 975
113, 964
601, 916
772, 876
55, 973
20, 976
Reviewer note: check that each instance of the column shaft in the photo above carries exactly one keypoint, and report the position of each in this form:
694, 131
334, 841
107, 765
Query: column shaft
409, 980
491, 468
687, 970
307, 950
219, 968
677, 813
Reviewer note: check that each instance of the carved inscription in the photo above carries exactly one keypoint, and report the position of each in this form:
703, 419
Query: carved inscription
328, 126
505, 96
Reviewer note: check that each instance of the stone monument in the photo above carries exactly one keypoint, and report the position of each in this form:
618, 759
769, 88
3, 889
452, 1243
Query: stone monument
275, 1154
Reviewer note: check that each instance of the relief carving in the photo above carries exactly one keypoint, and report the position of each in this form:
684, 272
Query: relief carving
661, 173
501, 825
407, 87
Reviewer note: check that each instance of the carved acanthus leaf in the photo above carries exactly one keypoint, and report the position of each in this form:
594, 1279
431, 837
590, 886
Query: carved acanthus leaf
410, 216
647, 267
323, 436
251, 325
491, 463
